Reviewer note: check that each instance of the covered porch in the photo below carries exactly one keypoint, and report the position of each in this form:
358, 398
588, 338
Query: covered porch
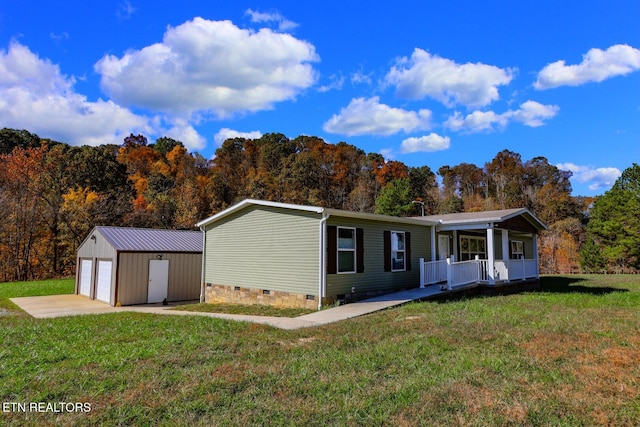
490, 248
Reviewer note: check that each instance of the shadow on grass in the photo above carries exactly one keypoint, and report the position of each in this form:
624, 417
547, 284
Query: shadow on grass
567, 285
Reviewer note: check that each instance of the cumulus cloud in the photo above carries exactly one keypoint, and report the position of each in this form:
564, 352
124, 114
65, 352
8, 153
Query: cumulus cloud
226, 133
597, 178
370, 117
35, 95
530, 113
182, 131
597, 65
214, 68
275, 17
426, 75
428, 143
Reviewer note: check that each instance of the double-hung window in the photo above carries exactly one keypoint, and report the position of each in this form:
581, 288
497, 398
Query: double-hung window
346, 250
517, 249
398, 251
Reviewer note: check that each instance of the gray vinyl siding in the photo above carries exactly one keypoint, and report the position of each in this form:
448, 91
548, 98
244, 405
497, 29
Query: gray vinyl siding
264, 247
133, 276
374, 278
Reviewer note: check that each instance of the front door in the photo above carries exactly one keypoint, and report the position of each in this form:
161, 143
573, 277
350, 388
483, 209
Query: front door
158, 280
443, 247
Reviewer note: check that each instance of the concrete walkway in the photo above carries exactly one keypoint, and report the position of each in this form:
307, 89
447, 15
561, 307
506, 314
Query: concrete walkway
73, 305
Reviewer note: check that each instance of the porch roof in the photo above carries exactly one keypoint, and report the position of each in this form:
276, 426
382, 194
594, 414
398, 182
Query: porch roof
486, 219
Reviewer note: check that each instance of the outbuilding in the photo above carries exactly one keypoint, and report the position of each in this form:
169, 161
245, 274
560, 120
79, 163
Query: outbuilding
126, 266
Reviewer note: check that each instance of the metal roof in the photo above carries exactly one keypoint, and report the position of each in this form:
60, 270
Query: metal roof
486, 216
151, 240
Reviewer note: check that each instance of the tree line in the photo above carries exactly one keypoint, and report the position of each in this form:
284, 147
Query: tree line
52, 194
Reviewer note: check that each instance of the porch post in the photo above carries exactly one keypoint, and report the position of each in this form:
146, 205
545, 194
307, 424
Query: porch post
421, 272
492, 257
534, 242
455, 243
433, 243
505, 253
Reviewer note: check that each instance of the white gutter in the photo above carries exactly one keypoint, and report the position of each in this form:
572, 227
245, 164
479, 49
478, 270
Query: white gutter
204, 250
322, 273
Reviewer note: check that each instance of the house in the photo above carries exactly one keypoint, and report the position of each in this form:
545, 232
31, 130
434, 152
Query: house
260, 252
126, 266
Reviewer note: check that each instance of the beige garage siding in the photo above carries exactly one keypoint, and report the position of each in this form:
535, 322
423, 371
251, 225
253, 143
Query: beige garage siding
133, 276
264, 247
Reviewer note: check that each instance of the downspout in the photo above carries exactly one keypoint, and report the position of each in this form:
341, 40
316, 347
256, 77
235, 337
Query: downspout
204, 246
322, 273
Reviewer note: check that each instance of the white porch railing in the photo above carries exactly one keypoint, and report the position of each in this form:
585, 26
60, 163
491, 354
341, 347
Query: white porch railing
454, 274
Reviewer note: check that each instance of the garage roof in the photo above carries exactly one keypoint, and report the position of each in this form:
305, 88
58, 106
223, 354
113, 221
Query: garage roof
151, 240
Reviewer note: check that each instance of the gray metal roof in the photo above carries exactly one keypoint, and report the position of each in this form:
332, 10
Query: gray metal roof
486, 216
151, 240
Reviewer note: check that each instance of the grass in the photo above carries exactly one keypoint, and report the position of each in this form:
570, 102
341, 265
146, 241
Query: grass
567, 355
32, 289
255, 310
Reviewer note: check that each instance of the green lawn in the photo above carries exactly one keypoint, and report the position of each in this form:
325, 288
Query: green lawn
568, 355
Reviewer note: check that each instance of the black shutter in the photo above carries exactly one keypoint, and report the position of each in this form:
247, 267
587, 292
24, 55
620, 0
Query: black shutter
407, 246
387, 250
332, 249
360, 250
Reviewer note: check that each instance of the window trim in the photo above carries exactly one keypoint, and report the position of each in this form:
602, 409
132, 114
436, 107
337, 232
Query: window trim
404, 251
352, 250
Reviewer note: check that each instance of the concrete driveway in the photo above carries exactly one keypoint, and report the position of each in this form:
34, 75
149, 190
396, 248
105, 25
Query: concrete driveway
61, 305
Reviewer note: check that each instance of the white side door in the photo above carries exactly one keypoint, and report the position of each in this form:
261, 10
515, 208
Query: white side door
158, 280
103, 285
443, 247
86, 266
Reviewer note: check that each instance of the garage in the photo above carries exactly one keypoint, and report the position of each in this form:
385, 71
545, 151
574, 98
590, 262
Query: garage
128, 266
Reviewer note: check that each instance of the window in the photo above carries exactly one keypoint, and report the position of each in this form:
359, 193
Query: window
397, 251
346, 250
517, 249
471, 246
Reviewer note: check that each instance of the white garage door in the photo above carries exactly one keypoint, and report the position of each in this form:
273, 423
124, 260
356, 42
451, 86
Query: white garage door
85, 277
103, 286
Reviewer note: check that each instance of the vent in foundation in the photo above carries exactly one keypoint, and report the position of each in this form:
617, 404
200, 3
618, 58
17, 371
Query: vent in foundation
236, 288
311, 297
266, 292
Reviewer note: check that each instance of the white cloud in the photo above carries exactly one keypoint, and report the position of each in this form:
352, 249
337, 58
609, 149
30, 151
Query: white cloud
336, 83
428, 143
477, 121
597, 178
360, 78
226, 133
210, 67
530, 113
370, 117
184, 132
422, 75
533, 114
597, 65
387, 153
261, 17
34, 95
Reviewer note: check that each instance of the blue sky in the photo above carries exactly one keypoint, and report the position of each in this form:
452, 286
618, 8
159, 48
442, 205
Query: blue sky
422, 82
